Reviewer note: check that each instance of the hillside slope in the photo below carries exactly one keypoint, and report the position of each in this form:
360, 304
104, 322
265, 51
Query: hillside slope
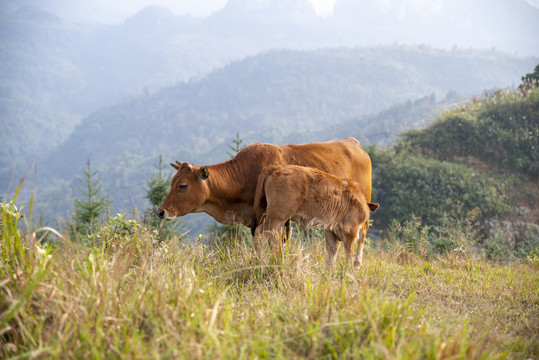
501, 132
480, 158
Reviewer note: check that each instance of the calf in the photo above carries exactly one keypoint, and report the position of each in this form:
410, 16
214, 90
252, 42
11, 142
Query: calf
312, 198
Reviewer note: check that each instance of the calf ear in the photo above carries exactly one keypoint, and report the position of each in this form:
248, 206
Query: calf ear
203, 173
175, 165
373, 206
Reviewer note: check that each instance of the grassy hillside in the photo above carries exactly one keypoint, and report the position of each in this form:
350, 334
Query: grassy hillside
501, 132
478, 159
452, 276
124, 295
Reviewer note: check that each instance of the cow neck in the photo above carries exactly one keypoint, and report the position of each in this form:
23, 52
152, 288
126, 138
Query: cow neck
225, 202
224, 180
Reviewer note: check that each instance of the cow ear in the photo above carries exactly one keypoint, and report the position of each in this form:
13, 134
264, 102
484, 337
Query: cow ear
373, 206
203, 173
180, 165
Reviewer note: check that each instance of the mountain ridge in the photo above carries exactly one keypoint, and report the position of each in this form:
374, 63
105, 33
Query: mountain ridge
277, 89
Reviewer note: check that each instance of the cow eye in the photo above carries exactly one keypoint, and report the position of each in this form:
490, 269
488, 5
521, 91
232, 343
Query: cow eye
182, 186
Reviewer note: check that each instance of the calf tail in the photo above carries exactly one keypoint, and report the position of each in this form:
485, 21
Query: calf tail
259, 203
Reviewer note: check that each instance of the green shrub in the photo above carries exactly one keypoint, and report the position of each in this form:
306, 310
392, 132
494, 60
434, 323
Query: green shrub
457, 234
407, 185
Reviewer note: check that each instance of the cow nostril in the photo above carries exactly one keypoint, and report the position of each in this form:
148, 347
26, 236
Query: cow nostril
161, 214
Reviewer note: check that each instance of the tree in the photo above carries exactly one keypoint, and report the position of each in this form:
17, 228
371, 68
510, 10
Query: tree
157, 189
89, 211
531, 80
235, 147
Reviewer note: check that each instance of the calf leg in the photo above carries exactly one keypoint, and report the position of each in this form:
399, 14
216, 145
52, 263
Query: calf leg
361, 234
332, 245
257, 238
267, 231
348, 240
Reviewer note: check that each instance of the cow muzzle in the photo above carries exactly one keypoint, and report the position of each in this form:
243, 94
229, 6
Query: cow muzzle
162, 214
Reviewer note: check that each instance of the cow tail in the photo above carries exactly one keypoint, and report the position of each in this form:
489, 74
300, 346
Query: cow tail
259, 198
254, 224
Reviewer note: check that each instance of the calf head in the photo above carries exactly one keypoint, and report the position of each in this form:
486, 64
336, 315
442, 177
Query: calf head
188, 191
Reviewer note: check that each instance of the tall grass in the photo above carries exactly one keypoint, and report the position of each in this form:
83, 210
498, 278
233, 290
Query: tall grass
125, 295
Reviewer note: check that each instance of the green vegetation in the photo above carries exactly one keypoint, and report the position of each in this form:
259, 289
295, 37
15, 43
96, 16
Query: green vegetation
157, 190
442, 281
236, 146
128, 295
89, 211
530, 80
453, 273
476, 159
430, 189
501, 131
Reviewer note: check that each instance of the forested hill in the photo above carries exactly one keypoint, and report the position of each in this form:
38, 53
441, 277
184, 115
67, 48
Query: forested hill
482, 156
500, 133
288, 90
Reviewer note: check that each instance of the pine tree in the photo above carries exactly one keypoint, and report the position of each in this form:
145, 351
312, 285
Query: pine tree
157, 190
236, 146
88, 212
158, 186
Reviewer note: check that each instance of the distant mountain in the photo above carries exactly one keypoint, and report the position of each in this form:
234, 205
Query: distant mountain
384, 127
55, 72
285, 90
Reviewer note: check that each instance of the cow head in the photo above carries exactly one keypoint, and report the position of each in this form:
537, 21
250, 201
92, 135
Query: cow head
373, 206
188, 191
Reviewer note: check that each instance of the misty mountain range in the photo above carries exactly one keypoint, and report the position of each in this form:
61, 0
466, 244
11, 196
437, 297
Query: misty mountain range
286, 90
160, 83
82, 67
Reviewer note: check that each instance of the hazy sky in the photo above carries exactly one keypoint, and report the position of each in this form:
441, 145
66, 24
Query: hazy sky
116, 11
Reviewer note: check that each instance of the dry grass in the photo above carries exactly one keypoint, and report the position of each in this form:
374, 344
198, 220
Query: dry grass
130, 297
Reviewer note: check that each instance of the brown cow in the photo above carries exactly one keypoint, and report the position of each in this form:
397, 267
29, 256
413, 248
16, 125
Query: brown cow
312, 198
226, 190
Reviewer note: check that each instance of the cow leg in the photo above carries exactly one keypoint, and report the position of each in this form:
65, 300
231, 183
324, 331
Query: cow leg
288, 232
332, 245
361, 234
